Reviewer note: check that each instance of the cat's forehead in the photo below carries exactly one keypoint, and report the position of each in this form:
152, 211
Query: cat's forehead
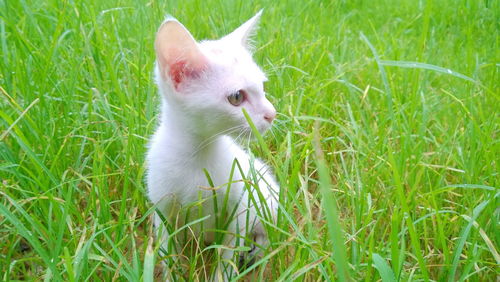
225, 53
234, 57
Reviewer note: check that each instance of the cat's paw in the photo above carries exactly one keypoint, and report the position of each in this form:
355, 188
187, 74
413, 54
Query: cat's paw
247, 259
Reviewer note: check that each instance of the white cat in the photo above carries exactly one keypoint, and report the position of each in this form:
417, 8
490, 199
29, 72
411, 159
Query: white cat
204, 87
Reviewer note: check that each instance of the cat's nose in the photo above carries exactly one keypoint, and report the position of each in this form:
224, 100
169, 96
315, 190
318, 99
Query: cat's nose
269, 116
269, 111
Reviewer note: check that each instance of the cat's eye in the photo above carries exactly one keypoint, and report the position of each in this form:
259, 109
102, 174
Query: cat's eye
236, 98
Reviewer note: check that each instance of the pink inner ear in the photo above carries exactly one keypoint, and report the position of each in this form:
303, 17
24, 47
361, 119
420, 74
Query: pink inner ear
177, 71
181, 70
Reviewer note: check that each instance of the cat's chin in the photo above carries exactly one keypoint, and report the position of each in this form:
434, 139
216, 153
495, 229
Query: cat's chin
263, 129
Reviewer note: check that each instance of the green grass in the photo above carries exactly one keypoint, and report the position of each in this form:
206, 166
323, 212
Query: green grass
404, 95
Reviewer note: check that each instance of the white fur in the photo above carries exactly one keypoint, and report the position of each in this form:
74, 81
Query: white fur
198, 125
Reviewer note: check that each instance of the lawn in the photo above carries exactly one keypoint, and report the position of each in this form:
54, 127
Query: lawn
386, 144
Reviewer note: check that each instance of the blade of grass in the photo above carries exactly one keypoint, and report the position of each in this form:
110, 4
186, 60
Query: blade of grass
406, 214
149, 262
464, 234
383, 268
383, 75
330, 207
28, 235
418, 65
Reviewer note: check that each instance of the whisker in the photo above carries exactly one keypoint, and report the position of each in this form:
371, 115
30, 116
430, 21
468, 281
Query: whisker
239, 135
279, 129
249, 137
227, 131
272, 132
214, 137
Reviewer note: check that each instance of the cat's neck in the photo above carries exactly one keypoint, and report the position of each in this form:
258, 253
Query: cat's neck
184, 135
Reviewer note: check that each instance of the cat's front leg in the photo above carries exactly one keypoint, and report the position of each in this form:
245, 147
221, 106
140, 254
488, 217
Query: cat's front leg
244, 243
228, 266
259, 242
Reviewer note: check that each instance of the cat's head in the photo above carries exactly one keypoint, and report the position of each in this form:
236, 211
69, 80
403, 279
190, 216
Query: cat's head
209, 82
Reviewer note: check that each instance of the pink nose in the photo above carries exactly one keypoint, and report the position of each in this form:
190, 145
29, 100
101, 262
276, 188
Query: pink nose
269, 117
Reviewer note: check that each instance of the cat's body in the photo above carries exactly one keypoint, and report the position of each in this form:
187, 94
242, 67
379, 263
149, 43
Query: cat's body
186, 180
204, 86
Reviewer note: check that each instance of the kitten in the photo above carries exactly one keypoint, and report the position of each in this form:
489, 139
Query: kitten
204, 87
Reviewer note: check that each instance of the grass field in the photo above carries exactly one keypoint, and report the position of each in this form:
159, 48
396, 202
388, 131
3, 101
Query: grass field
388, 114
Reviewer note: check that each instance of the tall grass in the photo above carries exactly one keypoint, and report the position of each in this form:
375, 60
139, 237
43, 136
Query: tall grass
405, 96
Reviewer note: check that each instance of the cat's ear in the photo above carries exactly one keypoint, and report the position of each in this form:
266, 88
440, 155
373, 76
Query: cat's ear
244, 33
177, 53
